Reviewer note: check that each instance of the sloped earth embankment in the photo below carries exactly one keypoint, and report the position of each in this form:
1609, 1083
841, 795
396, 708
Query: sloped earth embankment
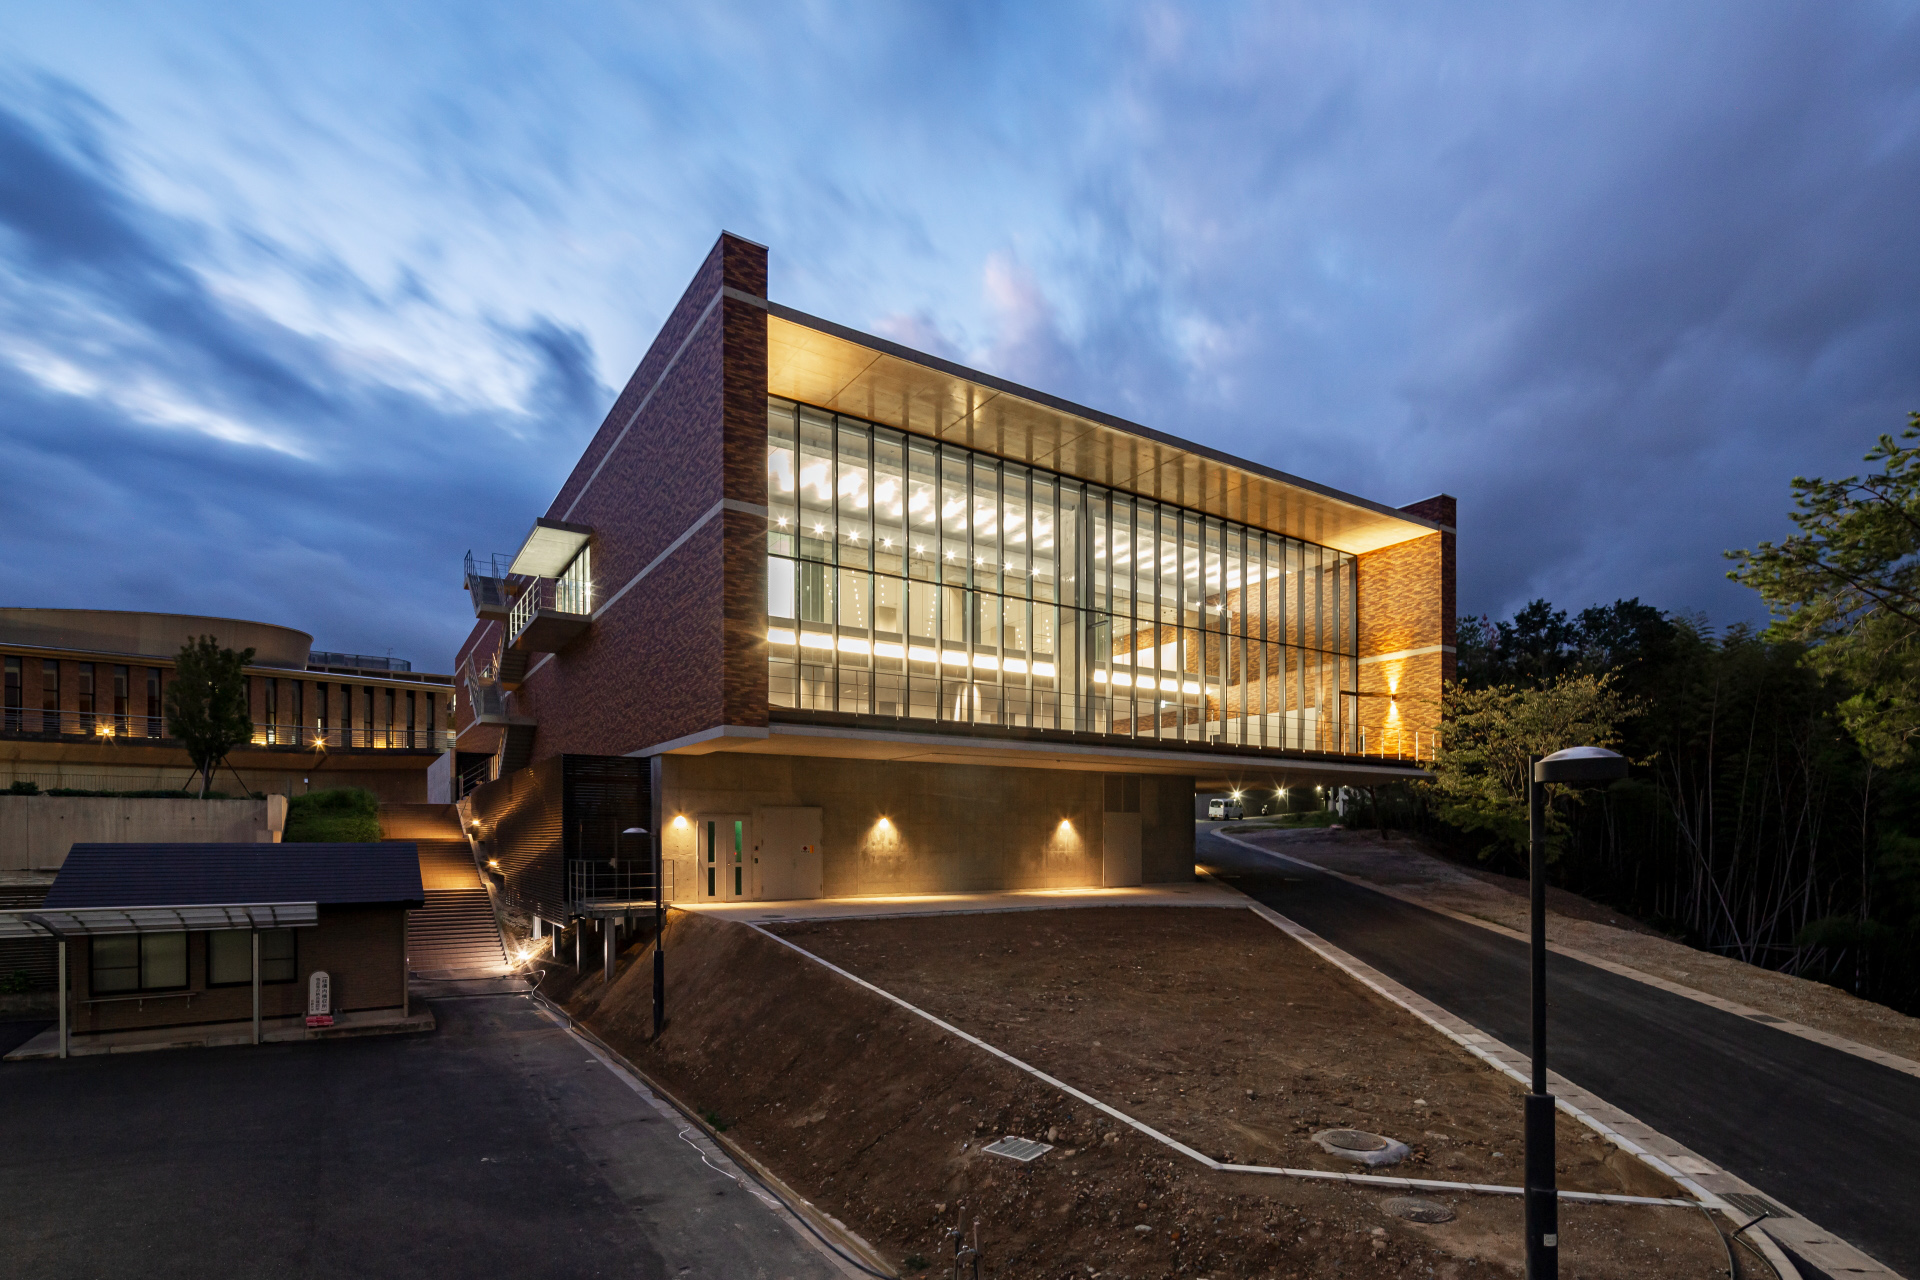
878, 1117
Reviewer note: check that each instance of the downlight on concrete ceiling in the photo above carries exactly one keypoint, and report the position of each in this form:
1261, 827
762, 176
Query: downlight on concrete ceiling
549, 548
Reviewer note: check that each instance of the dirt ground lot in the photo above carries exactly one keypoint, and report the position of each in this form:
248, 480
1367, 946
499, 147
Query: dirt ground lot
1218, 1030
1400, 862
878, 1117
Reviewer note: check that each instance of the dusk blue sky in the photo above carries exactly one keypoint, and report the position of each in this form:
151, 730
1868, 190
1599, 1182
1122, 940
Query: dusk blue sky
299, 303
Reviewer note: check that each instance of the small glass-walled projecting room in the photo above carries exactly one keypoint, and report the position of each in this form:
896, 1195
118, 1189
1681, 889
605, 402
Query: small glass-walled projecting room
917, 579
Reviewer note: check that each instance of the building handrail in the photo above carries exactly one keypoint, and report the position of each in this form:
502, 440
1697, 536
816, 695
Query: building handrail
602, 880
561, 595
357, 661
106, 726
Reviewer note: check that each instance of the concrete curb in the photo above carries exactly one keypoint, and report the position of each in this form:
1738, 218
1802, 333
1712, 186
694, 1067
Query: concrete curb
1700, 1176
805, 1218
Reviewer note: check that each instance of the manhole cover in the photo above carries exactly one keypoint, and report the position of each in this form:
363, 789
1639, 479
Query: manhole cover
1354, 1140
1417, 1209
1370, 1149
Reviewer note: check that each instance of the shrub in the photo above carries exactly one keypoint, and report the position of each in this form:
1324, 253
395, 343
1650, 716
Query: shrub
344, 815
24, 789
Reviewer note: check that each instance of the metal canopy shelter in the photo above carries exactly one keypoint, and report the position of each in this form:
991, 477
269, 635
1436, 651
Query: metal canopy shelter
76, 922
62, 923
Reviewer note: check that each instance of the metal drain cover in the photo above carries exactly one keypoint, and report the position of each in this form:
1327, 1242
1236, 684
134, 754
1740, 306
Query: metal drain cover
1352, 1140
1417, 1209
1358, 1145
1021, 1149
1752, 1205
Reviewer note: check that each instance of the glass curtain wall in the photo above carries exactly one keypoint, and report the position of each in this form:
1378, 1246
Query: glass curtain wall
913, 579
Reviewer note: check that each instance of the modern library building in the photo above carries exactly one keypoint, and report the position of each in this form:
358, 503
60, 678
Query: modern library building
862, 621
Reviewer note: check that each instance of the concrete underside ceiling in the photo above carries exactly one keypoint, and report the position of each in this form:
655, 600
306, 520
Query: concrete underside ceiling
815, 363
1209, 772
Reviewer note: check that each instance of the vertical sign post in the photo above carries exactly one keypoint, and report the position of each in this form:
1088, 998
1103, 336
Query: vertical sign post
256, 986
63, 997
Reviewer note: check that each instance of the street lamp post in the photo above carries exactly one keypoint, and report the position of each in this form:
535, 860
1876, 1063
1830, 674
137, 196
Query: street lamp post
1576, 766
659, 938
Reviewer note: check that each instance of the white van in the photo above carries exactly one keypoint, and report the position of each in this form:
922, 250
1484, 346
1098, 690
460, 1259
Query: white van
1228, 810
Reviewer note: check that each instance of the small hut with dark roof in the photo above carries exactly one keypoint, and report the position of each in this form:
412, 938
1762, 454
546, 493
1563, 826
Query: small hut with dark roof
200, 935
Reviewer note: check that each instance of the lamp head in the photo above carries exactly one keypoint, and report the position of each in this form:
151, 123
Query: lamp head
634, 831
1578, 766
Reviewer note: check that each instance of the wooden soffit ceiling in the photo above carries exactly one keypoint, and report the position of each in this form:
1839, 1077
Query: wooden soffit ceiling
820, 363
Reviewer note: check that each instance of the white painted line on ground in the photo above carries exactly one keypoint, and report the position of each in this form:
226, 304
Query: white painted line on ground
1324, 1175
1691, 1170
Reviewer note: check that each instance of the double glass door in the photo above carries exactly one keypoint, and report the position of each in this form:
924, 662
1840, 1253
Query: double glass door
725, 865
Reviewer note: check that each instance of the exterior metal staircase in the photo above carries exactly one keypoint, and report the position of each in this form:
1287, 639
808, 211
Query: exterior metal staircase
455, 934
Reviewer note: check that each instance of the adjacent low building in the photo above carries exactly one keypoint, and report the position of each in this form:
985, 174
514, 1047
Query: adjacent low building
872, 622
204, 942
82, 707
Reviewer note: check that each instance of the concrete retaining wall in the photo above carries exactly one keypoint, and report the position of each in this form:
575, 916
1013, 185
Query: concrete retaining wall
948, 828
37, 831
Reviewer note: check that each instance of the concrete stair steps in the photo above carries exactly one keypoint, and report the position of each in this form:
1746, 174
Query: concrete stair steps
419, 822
455, 930
447, 864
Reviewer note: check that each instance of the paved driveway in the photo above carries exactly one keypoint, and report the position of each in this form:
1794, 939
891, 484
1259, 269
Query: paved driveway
1832, 1135
493, 1147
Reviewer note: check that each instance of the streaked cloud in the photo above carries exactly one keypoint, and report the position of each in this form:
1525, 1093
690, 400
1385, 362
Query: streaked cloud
295, 306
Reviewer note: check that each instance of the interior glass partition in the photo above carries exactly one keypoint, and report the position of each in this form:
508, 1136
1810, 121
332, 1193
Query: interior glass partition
912, 579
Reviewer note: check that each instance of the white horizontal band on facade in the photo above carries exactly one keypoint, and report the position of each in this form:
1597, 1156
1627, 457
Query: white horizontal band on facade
1407, 653
725, 504
692, 331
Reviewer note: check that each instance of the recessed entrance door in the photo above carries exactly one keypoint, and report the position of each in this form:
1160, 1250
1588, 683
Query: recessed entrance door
724, 865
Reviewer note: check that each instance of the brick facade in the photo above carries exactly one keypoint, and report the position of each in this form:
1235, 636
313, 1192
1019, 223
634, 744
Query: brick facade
681, 649
1407, 631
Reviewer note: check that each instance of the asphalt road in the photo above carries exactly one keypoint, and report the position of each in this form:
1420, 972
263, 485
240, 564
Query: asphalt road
494, 1146
1834, 1136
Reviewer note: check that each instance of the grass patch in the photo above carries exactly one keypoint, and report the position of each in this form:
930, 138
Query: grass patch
343, 815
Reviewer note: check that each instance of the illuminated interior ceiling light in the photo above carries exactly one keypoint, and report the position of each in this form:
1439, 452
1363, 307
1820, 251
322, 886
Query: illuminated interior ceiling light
783, 522
853, 535
819, 528
886, 542
949, 555
978, 561
918, 547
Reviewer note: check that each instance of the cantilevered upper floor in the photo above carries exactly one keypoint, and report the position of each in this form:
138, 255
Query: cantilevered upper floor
790, 536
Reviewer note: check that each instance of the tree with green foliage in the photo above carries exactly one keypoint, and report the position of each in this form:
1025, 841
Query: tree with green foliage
206, 704
1847, 585
1480, 773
